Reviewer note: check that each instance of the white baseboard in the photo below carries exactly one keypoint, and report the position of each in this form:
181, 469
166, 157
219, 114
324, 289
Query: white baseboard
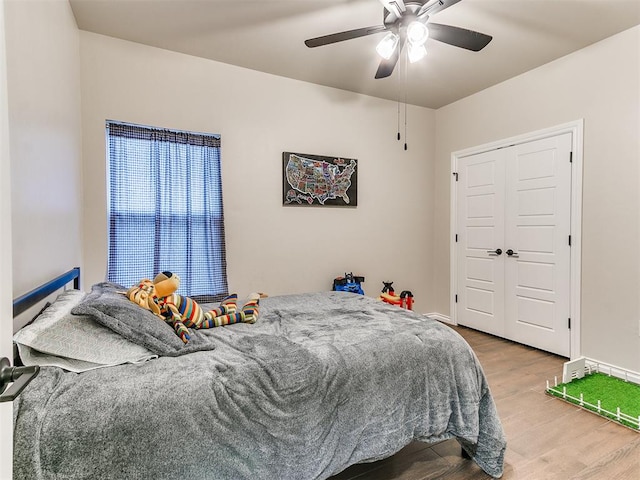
613, 370
602, 367
440, 317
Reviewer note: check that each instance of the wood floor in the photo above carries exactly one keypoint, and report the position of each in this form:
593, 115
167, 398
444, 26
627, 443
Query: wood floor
547, 439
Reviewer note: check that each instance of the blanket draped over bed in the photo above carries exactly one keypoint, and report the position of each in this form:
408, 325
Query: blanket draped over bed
320, 382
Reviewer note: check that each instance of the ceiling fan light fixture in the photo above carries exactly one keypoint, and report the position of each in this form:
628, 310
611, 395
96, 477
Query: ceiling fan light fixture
387, 45
416, 52
394, 6
417, 33
407, 22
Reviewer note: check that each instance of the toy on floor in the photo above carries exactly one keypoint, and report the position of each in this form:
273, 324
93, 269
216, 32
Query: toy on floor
159, 297
348, 283
388, 295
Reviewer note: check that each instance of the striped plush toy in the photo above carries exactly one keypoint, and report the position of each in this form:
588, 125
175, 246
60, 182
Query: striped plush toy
182, 312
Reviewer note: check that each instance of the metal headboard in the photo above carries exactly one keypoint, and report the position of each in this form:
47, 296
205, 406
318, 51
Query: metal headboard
20, 376
29, 299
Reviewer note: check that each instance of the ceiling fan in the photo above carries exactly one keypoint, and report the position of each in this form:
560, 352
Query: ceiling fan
407, 22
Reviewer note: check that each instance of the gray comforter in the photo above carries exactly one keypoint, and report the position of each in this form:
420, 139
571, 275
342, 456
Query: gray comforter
320, 382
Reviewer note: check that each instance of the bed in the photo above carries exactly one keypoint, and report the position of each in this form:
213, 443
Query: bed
320, 382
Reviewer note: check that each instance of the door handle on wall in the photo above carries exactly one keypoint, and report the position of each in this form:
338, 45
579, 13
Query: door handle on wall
511, 253
18, 376
497, 251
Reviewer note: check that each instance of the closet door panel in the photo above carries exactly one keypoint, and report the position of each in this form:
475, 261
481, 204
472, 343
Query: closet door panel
537, 228
480, 217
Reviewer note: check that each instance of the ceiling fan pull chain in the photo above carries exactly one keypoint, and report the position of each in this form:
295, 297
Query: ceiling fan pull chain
399, 86
406, 74
398, 119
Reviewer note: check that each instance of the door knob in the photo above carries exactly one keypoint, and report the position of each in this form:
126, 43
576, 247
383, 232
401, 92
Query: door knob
511, 253
497, 251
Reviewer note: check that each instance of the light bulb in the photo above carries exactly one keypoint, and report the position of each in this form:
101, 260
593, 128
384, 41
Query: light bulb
417, 33
387, 45
416, 52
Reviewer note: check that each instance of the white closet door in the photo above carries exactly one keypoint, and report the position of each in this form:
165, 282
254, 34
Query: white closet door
512, 252
537, 228
480, 218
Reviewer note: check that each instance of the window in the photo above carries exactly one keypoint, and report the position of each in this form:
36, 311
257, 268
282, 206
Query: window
165, 208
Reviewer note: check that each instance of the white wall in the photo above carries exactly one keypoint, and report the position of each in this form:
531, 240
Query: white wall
271, 248
40, 166
600, 83
43, 62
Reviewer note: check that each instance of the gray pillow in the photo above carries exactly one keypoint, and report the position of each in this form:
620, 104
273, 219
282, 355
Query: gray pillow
74, 342
108, 306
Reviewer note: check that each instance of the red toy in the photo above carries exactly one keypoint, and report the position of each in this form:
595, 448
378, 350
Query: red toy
388, 295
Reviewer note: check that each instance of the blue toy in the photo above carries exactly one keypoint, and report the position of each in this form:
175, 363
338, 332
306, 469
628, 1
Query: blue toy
348, 283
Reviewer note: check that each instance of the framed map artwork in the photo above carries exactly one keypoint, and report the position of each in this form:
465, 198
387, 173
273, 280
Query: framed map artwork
316, 180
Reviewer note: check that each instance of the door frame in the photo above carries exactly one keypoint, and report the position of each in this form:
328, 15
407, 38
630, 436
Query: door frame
6, 288
576, 128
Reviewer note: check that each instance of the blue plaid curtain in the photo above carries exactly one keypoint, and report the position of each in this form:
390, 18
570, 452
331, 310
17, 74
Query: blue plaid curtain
165, 209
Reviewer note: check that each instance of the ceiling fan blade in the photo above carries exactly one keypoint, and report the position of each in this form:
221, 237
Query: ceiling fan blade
430, 9
458, 37
387, 65
342, 36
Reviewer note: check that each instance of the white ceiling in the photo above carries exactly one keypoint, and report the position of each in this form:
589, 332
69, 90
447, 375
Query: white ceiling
268, 35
